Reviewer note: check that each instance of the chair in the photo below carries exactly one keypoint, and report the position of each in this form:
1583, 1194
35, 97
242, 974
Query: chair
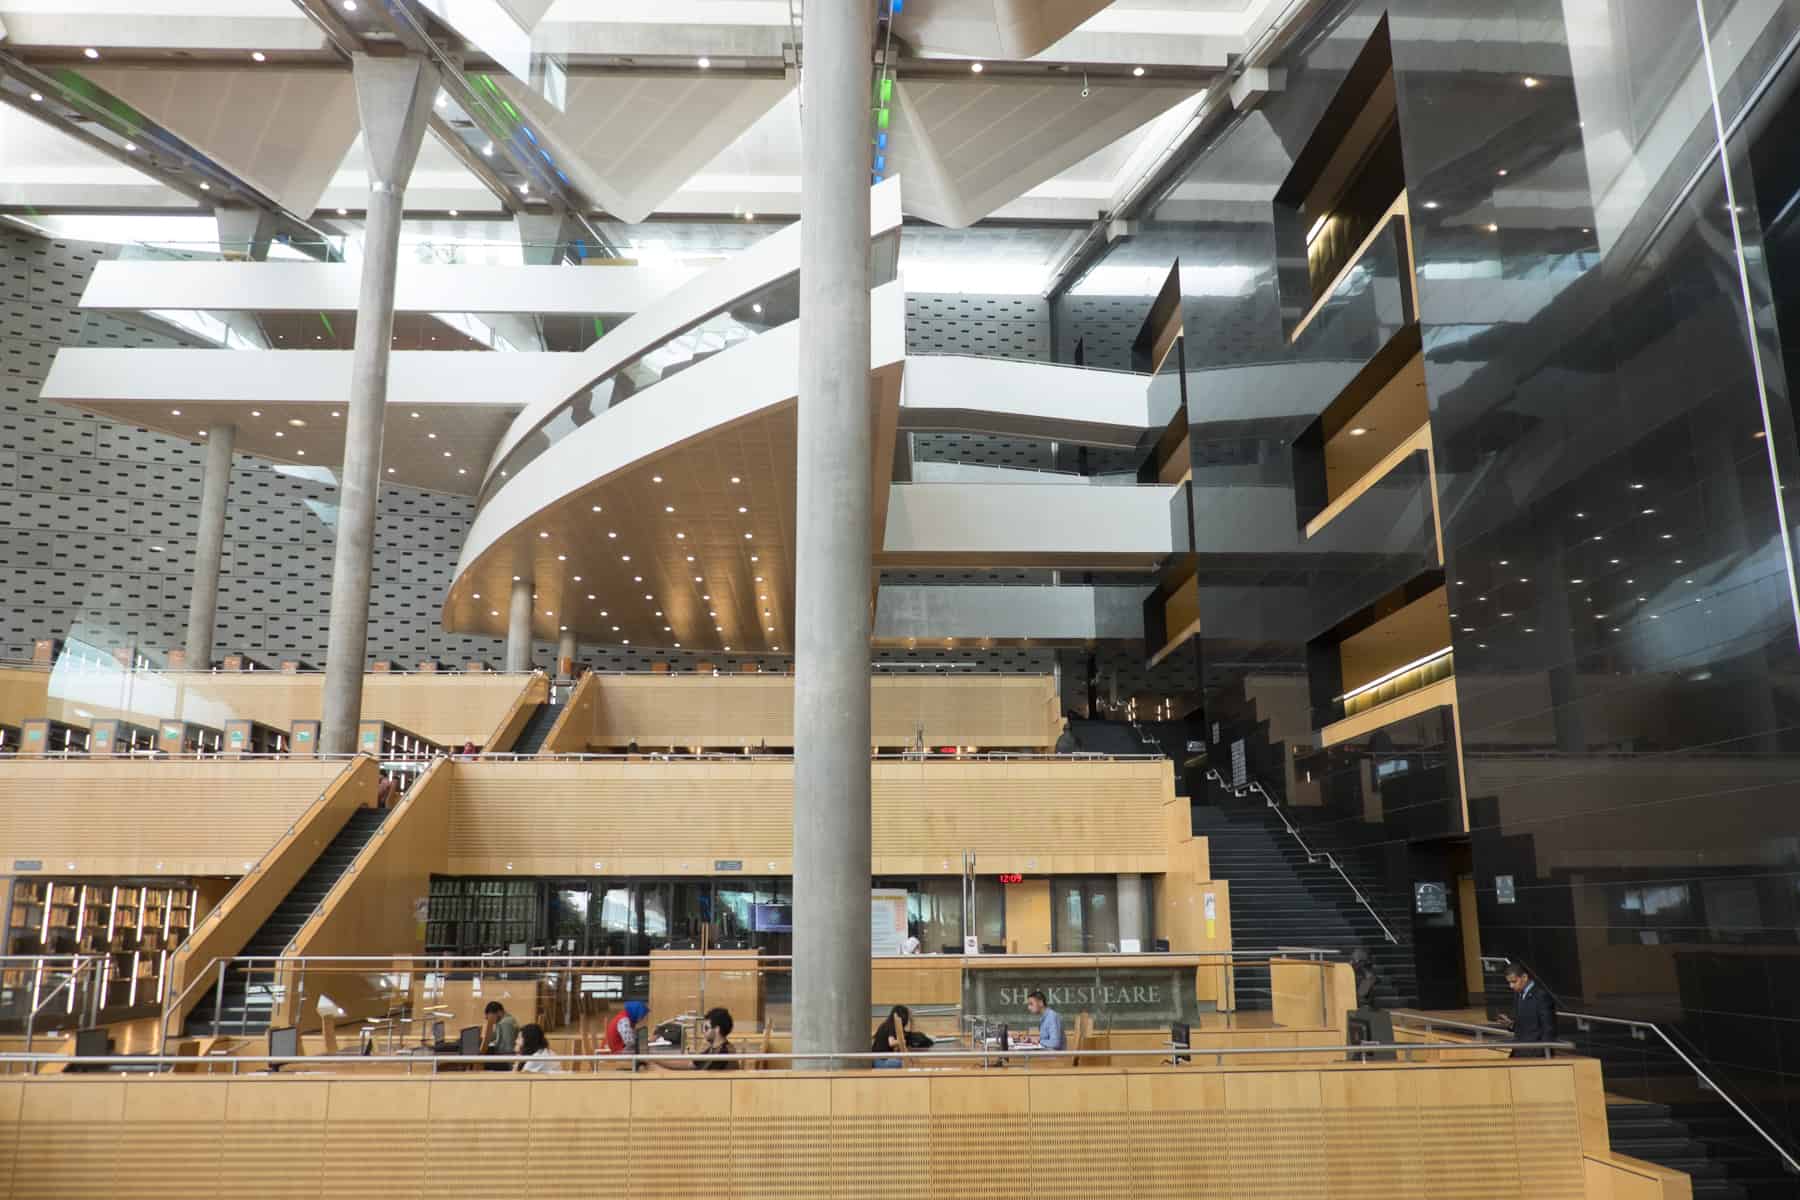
765, 1046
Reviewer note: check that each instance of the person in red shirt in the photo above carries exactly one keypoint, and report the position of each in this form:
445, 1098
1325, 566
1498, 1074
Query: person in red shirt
623, 1032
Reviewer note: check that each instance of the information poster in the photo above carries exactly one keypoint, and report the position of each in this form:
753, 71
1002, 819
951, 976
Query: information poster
887, 920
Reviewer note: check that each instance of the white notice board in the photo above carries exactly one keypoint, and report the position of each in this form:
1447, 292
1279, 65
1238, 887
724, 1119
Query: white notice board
887, 920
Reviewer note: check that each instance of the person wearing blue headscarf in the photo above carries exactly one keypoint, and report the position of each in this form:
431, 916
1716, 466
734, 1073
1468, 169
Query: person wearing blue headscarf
623, 1031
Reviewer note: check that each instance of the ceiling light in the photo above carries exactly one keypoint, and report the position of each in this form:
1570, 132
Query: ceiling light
344, 212
755, 308
258, 56
749, 216
278, 433
174, 412
678, 645
390, 470
1431, 204
1493, 228
1637, 487
543, 533
1137, 72
690, 558
296, 422
703, 62
611, 534
493, 612
203, 433
659, 612
615, 629
753, 558
453, 212
1358, 431
624, 558
596, 508
549, 612
747, 537
349, 5
488, 150
301, 453
590, 597
525, 189
742, 509
681, 537
462, 470
666, 629
562, 558
335, 413
647, 595
131, 146
735, 479
1530, 81
1501, 171
91, 52
205, 186
656, 479
975, 67
759, 579
37, 97
576, 578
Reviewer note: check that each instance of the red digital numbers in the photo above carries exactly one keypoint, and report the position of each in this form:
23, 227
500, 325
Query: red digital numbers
1012, 877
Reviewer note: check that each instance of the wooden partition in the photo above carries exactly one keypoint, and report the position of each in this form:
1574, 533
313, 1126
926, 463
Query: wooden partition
1406, 1132
268, 881
446, 709
660, 711
376, 905
1049, 817
137, 817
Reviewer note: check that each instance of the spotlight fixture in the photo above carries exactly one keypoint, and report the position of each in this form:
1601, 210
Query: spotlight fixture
258, 56
205, 186
343, 212
703, 62
37, 97
1137, 72
91, 52
131, 146
487, 151
1358, 431
453, 212
1530, 81
975, 68
656, 479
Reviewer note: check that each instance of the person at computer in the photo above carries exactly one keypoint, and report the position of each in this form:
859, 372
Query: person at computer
890, 1038
624, 1034
533, 1044
499, 1032
1050, 1029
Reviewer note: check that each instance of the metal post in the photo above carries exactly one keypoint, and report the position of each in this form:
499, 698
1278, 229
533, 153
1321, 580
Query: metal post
209, 547
219, 999
394, 96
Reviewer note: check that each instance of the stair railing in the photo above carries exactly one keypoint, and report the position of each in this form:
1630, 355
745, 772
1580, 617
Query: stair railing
1640, 1031
1312, 856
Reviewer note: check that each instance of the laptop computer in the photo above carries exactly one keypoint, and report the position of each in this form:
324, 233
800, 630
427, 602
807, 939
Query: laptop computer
442, 1046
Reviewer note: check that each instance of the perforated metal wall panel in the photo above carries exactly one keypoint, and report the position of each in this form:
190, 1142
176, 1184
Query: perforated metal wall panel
990, 326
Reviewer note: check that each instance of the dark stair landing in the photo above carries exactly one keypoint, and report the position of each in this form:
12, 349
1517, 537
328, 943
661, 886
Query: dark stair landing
247, 1000
1711, 1144
1280, 899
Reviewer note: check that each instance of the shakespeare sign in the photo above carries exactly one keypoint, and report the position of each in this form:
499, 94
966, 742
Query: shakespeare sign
1139, 998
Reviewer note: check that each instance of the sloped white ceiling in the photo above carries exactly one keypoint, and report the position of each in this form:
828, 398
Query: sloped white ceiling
630, 142
285, 132
966, 147
991, 28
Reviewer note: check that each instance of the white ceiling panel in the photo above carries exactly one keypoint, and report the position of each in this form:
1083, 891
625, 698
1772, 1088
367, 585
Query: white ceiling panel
285, 132
631, 141
966, 147
41, 167
991, 28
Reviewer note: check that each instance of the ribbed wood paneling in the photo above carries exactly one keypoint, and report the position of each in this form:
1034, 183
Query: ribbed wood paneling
128, 817
1336, 1133
678, 818
659, 711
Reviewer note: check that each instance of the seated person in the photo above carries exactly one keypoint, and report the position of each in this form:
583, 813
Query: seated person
499, 1032
1050, 1030
890, 1037
623, 1032
532, 1042
717, 1032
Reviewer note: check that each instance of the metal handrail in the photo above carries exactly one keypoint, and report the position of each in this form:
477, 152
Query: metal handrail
1426, 1020
788, 1056
590, 756
1582, 1020
1312, 856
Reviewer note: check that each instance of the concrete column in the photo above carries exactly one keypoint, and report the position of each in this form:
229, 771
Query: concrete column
832, 562
209, 547
244, 232
546, 239
565, 654
518, 627
394, 97
1134, 912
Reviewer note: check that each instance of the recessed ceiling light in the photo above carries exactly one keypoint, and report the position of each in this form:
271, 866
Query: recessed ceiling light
174, 412
753, 558
576, 578
624, 558
562, 558
747, 537
759, 579
203, 433
976, 68
681, 537
1501, 171
256, 412
703, 62
1431, 204
742, 509
349, 5
301, 453
1137, 72
344, 212
493, 612
590, 597
596, 508
1530, 81
335, 413
543, 533
205, 186
656, 479
131, 146
525, 189
611, 534
668, 508
296, 422
1492, 228
755, 308
37, 97
735, 479
258, 56
453, 212
390, 470
488, 150
278, 433
91, 52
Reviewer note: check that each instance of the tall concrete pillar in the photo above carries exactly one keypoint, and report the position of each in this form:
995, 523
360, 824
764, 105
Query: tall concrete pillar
244, 232
1134, 912
393, 96
565, 654
518, 627
209, 547
832, 562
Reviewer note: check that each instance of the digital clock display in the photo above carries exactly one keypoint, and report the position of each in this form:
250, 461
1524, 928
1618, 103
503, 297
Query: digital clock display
1012, 877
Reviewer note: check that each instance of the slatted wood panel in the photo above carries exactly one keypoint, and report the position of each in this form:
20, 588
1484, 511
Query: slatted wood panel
446, 709
678, 818
661, 711
1339, 1133
132, 817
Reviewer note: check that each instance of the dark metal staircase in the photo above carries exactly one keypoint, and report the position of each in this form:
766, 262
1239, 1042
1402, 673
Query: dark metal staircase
1279, 898
531, 738
1710, 1145
247, 998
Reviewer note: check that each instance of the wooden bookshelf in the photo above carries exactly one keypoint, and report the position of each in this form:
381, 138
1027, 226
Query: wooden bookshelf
135, 923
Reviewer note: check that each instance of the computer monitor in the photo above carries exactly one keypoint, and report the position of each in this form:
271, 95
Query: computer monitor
470, 1040
437, 1032
1369, 1025
1005, 1038
1181, 1036
284, 1042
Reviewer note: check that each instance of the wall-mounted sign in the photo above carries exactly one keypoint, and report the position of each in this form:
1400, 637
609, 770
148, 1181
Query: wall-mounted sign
28, 864
1430, 897
1012, 877
728, 864
1504, 891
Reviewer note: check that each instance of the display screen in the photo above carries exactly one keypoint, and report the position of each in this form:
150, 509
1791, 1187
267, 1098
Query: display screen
1012, 877
773, 918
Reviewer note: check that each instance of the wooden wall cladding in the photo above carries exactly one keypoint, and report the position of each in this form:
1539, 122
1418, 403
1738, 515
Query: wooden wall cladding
660, 818
1394, 1131
660, 711
131, 817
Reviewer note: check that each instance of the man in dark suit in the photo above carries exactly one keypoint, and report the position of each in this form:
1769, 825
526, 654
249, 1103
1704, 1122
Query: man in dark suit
1534, 1014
